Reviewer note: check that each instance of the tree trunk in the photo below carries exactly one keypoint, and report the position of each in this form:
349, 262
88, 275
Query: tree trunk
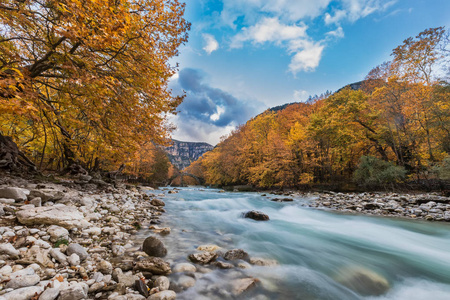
11, 158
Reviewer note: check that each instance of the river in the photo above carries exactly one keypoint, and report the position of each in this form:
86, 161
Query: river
317, 251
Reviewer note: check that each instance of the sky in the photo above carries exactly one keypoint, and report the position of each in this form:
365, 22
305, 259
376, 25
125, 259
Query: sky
244, 56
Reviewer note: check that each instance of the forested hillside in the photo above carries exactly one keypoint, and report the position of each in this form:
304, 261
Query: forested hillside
394, 126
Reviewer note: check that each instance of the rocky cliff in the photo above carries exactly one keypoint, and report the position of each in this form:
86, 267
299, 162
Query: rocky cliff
182, 154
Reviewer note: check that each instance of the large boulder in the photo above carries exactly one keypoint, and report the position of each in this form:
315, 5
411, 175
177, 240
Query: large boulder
154, 265
65, 216
256, 215
154, 247
17, 194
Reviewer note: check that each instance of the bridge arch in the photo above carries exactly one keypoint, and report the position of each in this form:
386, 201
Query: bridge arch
199, 180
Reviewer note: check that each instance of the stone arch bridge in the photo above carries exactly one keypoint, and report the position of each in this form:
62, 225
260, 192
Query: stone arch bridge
199, 180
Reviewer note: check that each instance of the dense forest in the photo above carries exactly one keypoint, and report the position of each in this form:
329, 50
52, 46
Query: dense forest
394, 126
85, 82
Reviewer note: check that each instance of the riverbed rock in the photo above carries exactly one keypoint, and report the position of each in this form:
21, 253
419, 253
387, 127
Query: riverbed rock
23, 278
241, 285
105, 267
9, 250
164, 295
184, 267
15, 193
363, 281
162, 283
282, 200
49, 294
77, 249
256, 215
157, 202
46, 194
154, 265
25, 293
76, 291
66, 216
57, 233
154, 247
203, 258
59, 256
235, 254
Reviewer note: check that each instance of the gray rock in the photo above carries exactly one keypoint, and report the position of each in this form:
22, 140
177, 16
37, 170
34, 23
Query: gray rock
47, 195
25, 293
77, 249
127, 279
23, 278
162, 283
66, 216
235, 254
154, 247
185, 282
57, 233
154, 265
49, 294
37, 202
363, 281
141, 287
257, 261
13, 193
7, 201
76, 291
58, 256
9, 250
164, 295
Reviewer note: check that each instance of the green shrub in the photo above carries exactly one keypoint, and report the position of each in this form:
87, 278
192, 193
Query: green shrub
61, 242
373, 172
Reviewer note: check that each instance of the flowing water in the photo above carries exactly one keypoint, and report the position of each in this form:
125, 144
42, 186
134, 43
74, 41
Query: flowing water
321, 254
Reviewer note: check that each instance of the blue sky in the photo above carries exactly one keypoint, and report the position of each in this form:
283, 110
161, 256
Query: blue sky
244, 56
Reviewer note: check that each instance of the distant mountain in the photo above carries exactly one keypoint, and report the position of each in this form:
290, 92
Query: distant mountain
182, 154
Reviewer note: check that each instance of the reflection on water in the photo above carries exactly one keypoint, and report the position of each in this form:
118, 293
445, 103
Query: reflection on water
321, 255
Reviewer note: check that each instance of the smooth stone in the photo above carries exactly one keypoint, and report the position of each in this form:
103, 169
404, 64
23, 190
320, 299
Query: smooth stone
58, 256
49, 294
127, 279
7, 201
184, 267
186, 281
105, 267
76, 291
363, 281
22, 279
25, 293
164, 295
141, 287
162, 283
47, 194
154, 247
77, 249
9, 250
37, 202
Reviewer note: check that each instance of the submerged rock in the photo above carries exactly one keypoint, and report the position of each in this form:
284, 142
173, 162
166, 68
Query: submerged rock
154, 265
238, 286
363, 281
256, 215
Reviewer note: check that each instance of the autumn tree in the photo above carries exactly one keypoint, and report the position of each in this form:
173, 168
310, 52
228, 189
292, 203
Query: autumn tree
87, 80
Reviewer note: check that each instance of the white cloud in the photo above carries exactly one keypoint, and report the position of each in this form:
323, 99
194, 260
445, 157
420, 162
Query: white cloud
269, 30
354, 10
338, 33
307, 55
338, 16
210, 43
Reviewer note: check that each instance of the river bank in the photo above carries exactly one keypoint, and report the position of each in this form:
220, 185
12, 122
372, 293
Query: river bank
75, 240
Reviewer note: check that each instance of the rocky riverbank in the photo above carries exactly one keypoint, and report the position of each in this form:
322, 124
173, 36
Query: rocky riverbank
71, 241
430, 207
